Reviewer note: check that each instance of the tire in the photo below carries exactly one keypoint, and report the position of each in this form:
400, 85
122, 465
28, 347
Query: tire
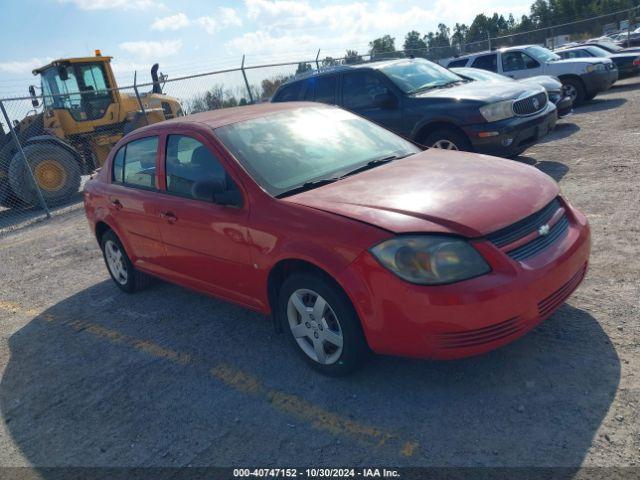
126, 277
576, 90
448, 139
56, 170
338, 322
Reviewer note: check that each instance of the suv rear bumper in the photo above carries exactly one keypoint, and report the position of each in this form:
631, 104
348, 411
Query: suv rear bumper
512, 136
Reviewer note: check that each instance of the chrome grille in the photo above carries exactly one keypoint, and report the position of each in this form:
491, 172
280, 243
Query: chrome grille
530, 105
535, 246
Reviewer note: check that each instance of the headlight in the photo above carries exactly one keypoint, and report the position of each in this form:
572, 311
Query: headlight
497, 111
430, 260
596, 67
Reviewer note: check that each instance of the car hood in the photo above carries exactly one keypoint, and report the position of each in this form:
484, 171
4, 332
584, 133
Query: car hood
481, 90
546, 81
437, 191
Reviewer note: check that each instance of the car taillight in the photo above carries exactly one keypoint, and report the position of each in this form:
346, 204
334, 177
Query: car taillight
636, 62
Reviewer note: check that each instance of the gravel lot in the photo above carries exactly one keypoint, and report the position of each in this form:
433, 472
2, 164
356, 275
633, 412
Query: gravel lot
167, 377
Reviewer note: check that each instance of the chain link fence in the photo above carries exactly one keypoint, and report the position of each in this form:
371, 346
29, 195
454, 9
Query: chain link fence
51, 140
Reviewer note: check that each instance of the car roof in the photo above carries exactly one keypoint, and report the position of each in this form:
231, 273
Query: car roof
488, 52
226, 116
345, 68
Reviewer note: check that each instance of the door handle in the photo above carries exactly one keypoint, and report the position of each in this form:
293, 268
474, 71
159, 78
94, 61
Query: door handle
169, 217
116, 203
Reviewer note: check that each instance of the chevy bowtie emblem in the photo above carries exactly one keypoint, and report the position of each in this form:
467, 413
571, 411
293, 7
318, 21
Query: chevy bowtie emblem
544, 230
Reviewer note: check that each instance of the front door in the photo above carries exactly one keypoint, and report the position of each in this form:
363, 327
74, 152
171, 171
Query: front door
205, 240
361, 90
518, 64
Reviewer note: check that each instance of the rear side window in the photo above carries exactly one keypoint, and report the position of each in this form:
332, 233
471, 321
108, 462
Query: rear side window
118, 165
326, 89
486, 62
289, 93
140, 163
189, 162
458, 63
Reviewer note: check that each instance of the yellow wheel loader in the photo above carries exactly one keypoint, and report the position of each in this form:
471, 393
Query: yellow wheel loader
82, 118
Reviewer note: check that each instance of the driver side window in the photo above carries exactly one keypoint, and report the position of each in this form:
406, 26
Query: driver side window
513, 61
359, 89
188, 162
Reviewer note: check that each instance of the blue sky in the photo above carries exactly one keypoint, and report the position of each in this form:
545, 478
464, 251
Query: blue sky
193, 36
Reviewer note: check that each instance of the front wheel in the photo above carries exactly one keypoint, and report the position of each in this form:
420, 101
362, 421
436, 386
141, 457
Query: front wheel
575, 89
322, 324
447, 139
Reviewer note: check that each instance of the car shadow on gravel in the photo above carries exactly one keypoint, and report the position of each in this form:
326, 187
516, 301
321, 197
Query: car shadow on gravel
600, 104
78, 391
555, 170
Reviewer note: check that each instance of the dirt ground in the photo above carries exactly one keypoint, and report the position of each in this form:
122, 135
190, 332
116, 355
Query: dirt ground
167, 377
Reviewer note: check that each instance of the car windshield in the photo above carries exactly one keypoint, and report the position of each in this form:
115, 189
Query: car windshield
414, 75
287, 150
542, 54
480, 74
598, 52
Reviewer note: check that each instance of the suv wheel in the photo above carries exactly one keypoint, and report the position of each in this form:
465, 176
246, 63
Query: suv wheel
447, 139
575, 89
322, 324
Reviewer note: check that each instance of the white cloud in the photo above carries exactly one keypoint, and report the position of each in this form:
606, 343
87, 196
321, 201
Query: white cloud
171, 22
289, 26
225, 17
114, 4
22, 66
152, 50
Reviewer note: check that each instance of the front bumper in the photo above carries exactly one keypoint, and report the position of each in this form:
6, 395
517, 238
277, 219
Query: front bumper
514, 135
563, 103
596, 82
470, 317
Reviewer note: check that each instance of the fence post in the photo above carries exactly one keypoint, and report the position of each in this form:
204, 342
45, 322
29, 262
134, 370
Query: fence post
489, 39
24, 159
246, 82
135, 89
553, 39
318, 64
629, 29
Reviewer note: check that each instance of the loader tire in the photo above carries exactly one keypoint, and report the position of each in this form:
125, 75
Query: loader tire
55, 169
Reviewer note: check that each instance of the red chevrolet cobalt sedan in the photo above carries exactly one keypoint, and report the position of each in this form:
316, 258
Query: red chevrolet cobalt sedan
354, 239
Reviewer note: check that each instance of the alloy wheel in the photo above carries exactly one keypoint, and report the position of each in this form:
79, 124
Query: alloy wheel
445, 144
116, 262
315, 326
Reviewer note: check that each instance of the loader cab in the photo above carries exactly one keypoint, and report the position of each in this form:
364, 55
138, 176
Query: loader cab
80, 86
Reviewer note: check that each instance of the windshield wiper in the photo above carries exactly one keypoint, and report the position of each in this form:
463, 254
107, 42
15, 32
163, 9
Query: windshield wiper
308, 186
374, 163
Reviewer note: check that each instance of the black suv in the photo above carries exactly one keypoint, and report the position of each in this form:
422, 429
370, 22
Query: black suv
431, 105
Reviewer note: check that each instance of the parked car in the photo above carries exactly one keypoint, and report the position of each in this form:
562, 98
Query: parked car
584, 77
431, 105
353, 238
612, 47
555, 90
627, 63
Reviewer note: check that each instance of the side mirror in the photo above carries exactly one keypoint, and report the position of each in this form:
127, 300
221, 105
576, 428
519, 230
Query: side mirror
34, 98
208, 189
385, 100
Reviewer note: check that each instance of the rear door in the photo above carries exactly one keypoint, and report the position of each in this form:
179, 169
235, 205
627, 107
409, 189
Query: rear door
132, 196
205, 240
359, 90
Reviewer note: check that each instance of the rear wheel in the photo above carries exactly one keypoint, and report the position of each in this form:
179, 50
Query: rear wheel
55, 169
447, 139
575, 89
322, 324
122, 271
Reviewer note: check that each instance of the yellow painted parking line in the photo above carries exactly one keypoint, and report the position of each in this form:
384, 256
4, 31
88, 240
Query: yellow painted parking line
290, 404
